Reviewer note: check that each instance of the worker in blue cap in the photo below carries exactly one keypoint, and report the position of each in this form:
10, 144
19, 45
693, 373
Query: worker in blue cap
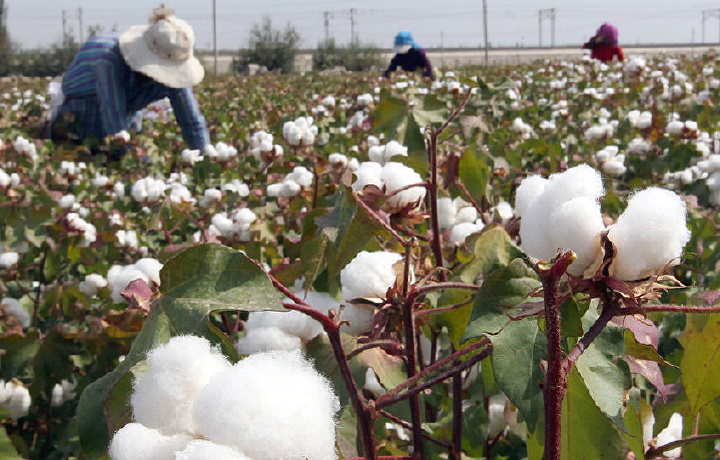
409, 56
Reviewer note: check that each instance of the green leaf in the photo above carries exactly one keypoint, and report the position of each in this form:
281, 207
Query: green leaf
502, 290
429, 111
701, 360
474, 172
18, 352
586, 432
214, 277
455, 320
604, 373
389, 114
346, 435
491, 249
518, 351
7, 450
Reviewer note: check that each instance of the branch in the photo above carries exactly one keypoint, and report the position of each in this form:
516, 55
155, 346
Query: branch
406, 425
655, 452
609, 311
673, 308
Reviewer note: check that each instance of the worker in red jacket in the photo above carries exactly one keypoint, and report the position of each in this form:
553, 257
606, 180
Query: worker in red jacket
603, 45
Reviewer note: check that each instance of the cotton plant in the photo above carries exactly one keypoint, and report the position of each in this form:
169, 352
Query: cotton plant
293, 184
262, 147
148, 190
369, 274
236, 186
119, 276
611, 161
638, 119
9, 181
301, 131
11, 307
26, 147
233, 225
77, 225
190, 402
394, 179
563, 213
92, 284
221, 152
15, 398
383, 153
62, 392
127, 239
191, 156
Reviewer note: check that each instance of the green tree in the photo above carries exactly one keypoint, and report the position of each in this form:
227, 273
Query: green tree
269, 47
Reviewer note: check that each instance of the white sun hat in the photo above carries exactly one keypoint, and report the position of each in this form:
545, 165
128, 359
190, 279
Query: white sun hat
163, 50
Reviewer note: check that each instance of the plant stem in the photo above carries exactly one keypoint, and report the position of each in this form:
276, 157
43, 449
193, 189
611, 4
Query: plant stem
609, 311
456, 452
655, 452
410, 355
556, 379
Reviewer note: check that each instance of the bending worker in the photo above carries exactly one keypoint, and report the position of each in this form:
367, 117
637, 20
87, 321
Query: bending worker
409, 56
111, 78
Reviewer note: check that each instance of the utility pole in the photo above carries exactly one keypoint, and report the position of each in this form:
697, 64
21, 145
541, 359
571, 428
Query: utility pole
485, 31
215, 50
548, 13
352, 26
80, 25
709, 14
64, 22
326, 21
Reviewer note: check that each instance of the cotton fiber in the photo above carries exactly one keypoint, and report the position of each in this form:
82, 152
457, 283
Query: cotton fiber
200, 449
135, 441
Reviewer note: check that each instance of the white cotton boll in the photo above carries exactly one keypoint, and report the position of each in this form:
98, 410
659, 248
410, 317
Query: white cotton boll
672, 433
368, 173
151, 267
576, 224
177, 371
92, 284
675, 127
9, 259
639, 146
529, 189
236, 186
337, 160
359, 318
264, 416
100, 181
328, 101
190, 157
201, 449
224, 224
127, 238
649, 235
446, 212
503, 210
12, 307
56, 395
373, 140
290, 188
19, 401
376, 154
369, 274
264, 339
210, 197
461, 231
466, 214
302, 176
396, 176
496, 415
119, 189
135, 441
244, 216
614, 167
274, 190
647, 419
292, 322
575, 182
123, 278
372, 384
180, 194
66, 201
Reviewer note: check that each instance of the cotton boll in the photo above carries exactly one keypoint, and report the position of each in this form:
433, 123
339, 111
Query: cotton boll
200, 449
150, 267
13, 307
372, 384
56, 395
395, 176
252, 407
292, 322
649, 235
369, 274
496, 415
359, 318
368, 173
18, 401
673, 432
135, 441
576, 225
530, 188
268, 338
461, 231
92, 284
466, 214
446, 213
575, 182
163, 397
9, 259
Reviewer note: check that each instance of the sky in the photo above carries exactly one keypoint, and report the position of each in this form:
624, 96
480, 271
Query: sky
433, 23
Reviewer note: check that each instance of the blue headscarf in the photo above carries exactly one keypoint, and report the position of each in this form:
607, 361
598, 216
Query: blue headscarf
403, 42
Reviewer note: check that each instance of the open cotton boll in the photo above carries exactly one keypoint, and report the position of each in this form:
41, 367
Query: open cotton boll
395, 176
163, 396
13, 307
135, 441
201, 449
9, 259
270, 406
18, 400
649, 235
369, 274
461, 231
359, 318
581, 180
496, 415
671, 433
368, 173
446, 212
292, 322
529, 189
122, 279
268, 338
151, 267
576, 225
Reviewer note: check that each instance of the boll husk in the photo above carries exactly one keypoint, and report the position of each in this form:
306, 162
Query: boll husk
135, 441
564, 214
270, 406
177, 371
650, 235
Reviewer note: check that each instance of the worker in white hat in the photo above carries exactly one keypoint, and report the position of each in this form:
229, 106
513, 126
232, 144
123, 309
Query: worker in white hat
112, 78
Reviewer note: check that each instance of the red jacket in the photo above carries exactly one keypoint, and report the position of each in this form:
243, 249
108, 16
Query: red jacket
604, 52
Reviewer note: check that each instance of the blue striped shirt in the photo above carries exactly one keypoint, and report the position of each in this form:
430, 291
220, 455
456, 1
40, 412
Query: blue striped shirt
104, 93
